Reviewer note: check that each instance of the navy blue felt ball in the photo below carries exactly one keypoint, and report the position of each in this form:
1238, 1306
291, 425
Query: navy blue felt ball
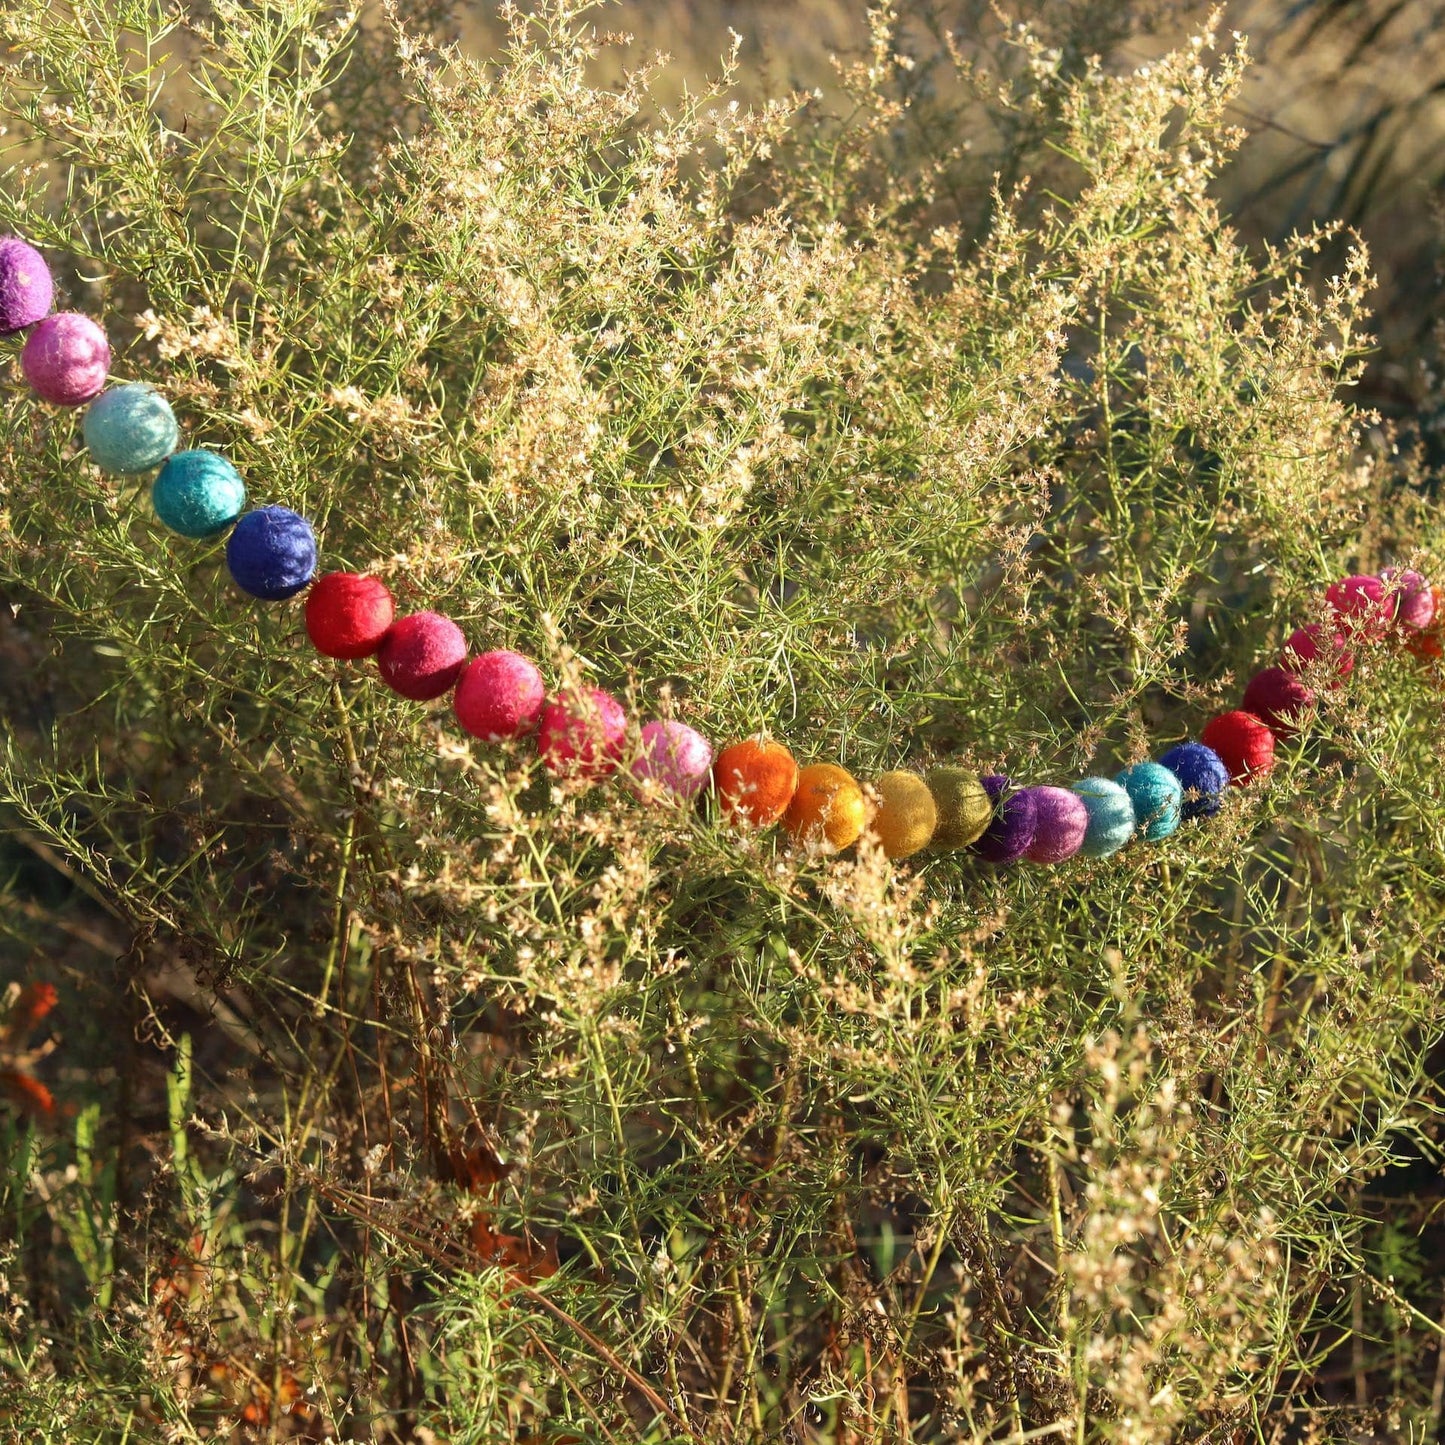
1203, 776
272, 553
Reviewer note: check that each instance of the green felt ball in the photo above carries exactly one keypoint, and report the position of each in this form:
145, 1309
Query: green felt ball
130, 429
1157, 796
198, 494
1111, 816
964, 808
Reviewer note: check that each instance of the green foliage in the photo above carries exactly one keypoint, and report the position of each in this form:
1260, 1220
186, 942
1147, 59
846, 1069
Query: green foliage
520, 1110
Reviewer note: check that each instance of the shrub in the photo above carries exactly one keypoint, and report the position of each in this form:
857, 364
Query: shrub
469, 1105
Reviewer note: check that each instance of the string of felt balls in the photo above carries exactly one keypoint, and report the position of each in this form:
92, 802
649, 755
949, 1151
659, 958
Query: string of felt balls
271, 554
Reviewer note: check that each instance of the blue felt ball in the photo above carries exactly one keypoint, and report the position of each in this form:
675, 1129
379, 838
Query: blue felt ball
1111, 816
198, 493
1157, 798
1202, 774
272, 553
130, 429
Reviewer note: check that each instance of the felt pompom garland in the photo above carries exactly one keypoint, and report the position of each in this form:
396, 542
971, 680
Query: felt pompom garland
271, 554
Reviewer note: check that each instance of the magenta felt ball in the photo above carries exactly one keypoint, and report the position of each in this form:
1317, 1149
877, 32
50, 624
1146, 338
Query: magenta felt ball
1413, 596
1061, 819
1305, 646
348, 614
675, 757
1361, 604
26, 289
1277, 697
500, 696
582, 735
66, 358
422, 655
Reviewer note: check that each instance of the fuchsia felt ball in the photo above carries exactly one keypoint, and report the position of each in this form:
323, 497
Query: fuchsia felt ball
348, 614
501, 695
422, 655
1277, 697
1244, 743
1413, 596
1305, 647
1061, 820
26, 289
66, 358
582, 735
1361, 604
675, 757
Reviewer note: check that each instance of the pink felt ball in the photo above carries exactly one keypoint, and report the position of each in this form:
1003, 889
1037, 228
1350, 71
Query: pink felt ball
1061, 819
675, 757
582, 734
422, 655
1277, 697
1361, 605
1414, 598
1304, 647
65, 358
500, 696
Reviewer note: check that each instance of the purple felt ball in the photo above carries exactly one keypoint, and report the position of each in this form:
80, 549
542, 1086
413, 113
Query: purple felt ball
1015, 817
1060, 821
65, 359
26, 289
501, 695
675, 757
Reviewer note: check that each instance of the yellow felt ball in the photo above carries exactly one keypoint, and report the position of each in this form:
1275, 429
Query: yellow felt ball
828, 810
964, 808
906, 814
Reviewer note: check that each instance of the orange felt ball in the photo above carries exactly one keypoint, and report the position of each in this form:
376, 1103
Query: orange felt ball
828, 810
755, 781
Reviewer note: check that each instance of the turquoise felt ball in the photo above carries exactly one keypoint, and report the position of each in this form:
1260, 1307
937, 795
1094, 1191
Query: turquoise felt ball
1111, 816
198, 494
1157, 797
130, 429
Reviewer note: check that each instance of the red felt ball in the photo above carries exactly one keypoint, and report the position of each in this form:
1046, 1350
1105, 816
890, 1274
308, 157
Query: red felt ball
1305, 647
1243, 741
582, 735
347, 614
422, 655
1276, 696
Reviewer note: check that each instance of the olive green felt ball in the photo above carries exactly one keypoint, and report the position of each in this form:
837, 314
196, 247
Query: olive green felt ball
906, 814
964, 808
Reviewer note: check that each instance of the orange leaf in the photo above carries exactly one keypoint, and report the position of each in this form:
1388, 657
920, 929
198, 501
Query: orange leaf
26, 1093
34, 1001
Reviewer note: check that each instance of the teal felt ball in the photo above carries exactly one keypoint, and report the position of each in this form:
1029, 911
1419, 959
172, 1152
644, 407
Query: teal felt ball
130, 429
1157, 796
198, 494
1111, 816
